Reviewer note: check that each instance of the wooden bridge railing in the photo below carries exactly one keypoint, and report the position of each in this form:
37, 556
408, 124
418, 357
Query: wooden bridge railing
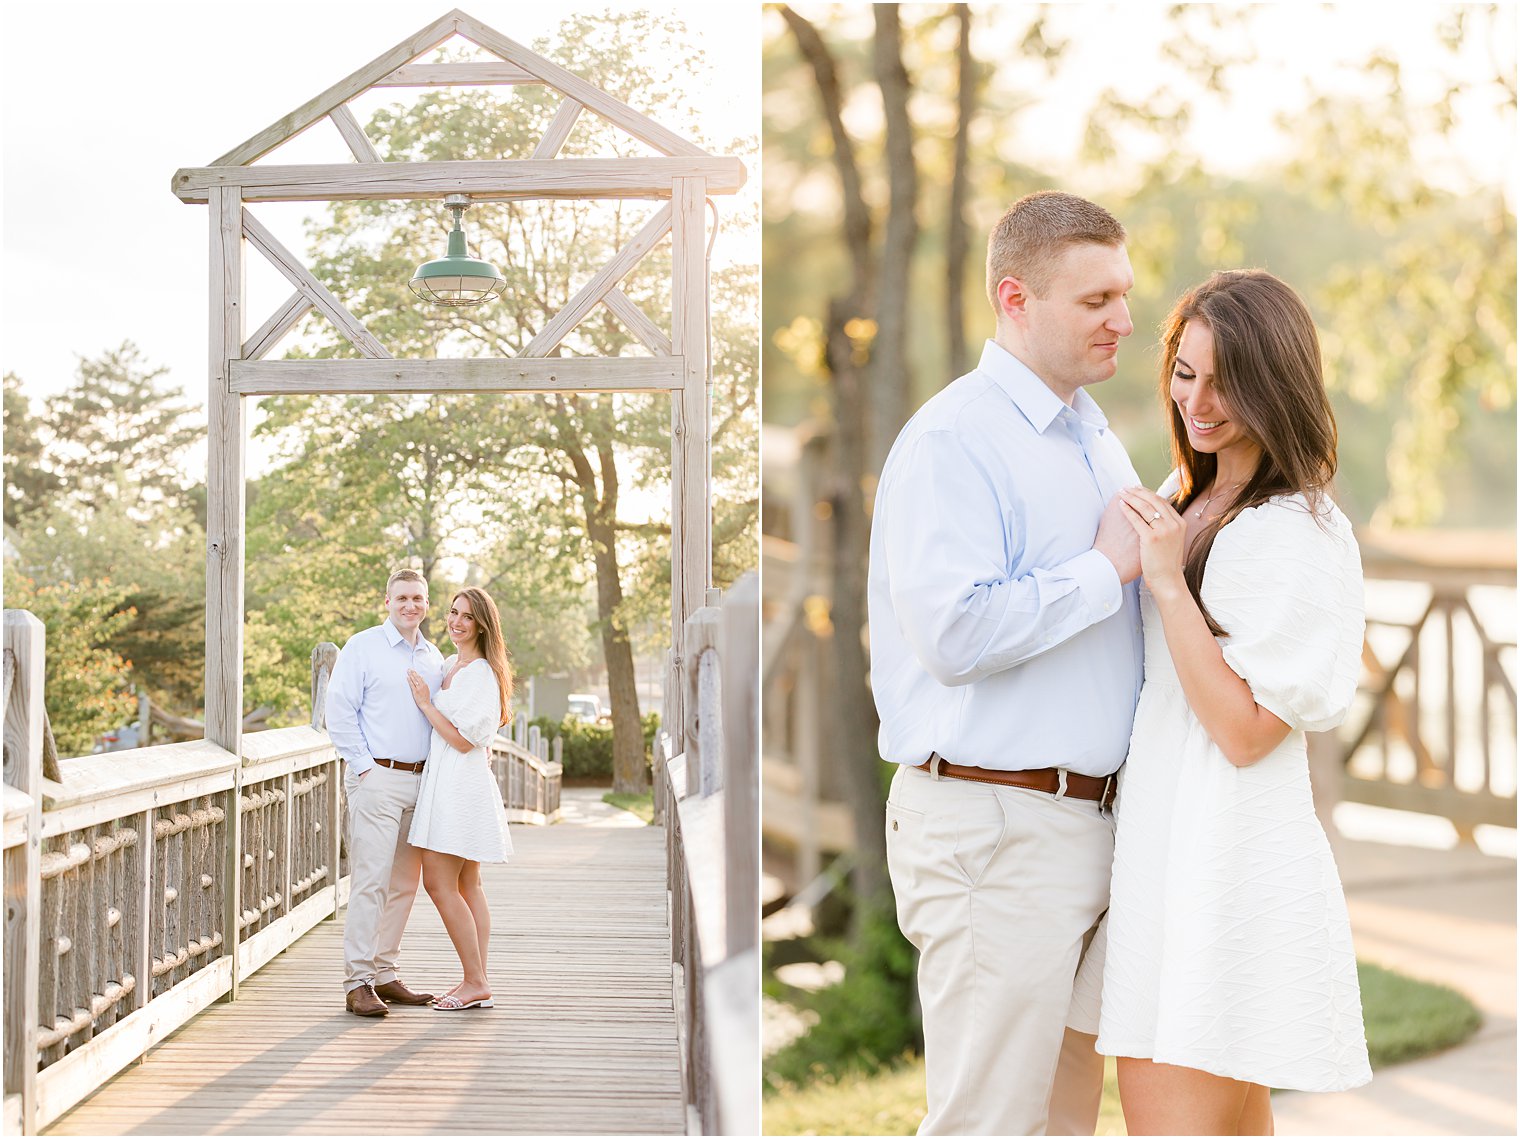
1437, 733
117, 922
708, 799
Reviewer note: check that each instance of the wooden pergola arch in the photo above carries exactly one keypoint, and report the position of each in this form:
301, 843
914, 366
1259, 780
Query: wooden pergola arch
683, 175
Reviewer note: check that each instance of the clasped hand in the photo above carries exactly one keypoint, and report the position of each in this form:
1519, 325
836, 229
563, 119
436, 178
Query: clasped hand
419, 687
1162, 534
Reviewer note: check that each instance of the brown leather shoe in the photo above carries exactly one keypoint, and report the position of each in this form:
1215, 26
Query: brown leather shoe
397, 993
364, 1001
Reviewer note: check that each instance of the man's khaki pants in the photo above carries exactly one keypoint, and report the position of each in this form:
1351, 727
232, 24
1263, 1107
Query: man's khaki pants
384, 868
1000, 889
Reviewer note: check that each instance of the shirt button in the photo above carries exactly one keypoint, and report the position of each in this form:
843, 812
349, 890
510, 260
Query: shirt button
1107, 607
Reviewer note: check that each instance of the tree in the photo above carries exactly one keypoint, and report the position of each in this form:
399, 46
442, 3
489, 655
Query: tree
29, 484
85, 681
118, 417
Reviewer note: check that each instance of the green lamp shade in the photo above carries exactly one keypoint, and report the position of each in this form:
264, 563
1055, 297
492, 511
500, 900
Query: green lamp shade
457, 280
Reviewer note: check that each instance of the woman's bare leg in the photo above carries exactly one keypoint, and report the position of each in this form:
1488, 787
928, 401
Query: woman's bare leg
440, 875
1164, 1099
1256, 1116
475, 897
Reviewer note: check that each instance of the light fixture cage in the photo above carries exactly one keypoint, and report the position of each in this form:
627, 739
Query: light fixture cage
457, 280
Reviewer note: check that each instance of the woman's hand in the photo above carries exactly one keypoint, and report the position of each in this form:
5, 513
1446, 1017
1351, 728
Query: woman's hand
1163, 538
420, 691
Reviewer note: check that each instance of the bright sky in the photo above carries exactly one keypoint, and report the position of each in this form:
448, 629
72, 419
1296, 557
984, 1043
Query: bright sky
103, 102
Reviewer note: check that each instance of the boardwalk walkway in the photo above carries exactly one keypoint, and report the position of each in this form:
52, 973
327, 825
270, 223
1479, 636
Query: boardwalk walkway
583, 1038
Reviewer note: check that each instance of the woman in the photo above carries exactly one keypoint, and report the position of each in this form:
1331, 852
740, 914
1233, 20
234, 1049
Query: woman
1229, 966
460, 821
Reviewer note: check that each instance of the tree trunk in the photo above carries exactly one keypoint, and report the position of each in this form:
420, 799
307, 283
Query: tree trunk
888, 372
600, 503
957, 232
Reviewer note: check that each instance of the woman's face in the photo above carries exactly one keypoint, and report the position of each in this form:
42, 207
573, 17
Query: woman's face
1205, 414
462, 627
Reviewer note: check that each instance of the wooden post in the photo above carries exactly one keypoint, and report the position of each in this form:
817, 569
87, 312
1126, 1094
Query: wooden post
26, 640
741, 762
691, 511
704, 741
224, 533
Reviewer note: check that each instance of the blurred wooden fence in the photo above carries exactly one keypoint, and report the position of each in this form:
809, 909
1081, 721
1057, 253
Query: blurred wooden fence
707, 797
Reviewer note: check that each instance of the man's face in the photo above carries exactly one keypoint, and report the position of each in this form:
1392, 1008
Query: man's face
407, 604
1072, 330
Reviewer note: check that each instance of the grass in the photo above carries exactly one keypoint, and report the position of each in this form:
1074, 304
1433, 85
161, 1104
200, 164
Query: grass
890, 1103
640, 805
1408, 1018
1405, 1019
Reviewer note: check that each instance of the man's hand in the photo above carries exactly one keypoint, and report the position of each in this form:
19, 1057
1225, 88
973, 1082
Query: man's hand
1116, 541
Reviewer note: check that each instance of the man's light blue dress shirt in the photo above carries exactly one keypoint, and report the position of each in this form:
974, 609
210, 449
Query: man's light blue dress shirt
999, 637
370, 710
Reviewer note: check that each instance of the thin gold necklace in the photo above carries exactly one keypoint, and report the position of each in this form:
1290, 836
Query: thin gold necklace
1199, 512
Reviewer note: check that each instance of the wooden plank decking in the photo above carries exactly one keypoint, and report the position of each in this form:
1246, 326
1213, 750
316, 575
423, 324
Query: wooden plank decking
582, 1041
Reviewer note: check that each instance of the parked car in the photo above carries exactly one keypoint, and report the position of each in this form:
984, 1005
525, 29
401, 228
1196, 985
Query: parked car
123, 738
586, 707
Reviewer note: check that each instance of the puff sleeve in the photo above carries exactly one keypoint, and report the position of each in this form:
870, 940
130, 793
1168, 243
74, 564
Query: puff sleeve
478, 713
1285, 583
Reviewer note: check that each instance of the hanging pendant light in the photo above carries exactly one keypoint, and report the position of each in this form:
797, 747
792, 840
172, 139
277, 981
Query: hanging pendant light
457, 280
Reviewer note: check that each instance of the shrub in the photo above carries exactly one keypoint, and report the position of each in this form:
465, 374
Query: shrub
867, 1021
587, 748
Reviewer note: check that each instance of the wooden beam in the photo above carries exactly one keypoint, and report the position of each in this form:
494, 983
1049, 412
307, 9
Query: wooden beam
492, 180
284, 319
456, 75
225, 517
558, 130
370, 377
353, 133
341, 92
691, 509
26, 640
645, 331
600, 285
620, 114
312, 289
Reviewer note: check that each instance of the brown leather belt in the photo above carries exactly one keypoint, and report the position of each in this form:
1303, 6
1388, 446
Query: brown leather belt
1047, 779
398, 765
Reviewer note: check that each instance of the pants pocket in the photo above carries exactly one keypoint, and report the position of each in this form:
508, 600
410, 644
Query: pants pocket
980, 829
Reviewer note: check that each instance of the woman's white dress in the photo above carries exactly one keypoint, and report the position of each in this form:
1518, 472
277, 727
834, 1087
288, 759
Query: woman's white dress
1229, 947
459, 808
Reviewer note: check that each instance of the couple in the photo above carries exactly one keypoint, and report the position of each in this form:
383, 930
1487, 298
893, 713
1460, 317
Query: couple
414, 731
1010, 634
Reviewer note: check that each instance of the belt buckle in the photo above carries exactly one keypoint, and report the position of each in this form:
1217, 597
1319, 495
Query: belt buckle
1060, 783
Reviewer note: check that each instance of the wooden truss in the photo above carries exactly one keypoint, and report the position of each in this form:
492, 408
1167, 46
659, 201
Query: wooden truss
683, 175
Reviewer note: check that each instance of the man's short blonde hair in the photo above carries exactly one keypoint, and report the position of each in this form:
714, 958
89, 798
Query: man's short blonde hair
1030, 237
404, 575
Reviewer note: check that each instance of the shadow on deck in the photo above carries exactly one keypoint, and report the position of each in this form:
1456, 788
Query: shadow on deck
583, 1038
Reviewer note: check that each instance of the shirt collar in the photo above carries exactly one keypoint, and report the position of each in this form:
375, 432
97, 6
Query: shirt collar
393, 635
1038, 403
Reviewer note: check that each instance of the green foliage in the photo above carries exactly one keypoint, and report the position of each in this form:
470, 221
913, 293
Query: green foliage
1406, 1018
587, 748
1412, 282
29, 484
86, 686
867, 1021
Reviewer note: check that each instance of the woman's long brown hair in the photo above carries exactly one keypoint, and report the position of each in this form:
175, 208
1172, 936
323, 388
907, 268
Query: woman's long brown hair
1267, 370
493, 645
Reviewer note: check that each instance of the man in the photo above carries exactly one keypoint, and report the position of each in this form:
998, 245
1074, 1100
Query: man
383, 738
1006, 663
